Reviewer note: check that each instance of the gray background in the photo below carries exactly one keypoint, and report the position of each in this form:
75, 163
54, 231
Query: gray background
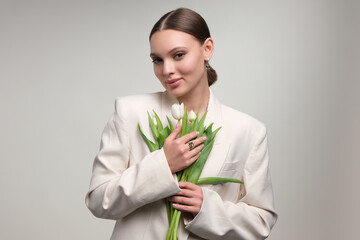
292, 64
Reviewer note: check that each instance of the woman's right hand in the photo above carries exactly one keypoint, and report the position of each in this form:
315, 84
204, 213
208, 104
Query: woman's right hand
178, 152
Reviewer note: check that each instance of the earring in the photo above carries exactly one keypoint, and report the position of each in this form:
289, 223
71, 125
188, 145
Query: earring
207, 65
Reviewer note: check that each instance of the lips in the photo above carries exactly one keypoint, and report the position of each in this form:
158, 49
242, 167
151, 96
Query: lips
173, 82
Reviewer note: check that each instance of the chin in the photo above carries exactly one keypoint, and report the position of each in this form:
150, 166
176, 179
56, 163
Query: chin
176, 92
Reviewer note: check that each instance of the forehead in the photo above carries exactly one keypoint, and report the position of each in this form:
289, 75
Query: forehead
164, 41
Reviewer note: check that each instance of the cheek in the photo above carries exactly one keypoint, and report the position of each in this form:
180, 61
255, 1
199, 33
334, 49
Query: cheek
190, 66
157, 71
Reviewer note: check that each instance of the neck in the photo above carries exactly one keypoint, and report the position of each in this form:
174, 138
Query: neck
197, 101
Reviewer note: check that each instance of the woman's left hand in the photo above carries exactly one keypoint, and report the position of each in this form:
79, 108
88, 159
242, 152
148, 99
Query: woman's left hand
189, 199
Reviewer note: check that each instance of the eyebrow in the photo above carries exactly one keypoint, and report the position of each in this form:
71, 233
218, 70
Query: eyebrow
171, 51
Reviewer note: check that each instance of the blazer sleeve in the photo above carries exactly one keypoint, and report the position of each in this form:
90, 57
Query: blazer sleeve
116, 188
252, 216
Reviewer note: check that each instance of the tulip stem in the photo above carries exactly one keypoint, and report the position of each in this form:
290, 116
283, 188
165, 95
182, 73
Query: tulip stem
193, 172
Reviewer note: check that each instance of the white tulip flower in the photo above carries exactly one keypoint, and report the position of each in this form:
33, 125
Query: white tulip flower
177, 111
192, 116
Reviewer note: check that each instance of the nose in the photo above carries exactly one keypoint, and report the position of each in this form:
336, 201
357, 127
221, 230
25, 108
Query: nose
168, 68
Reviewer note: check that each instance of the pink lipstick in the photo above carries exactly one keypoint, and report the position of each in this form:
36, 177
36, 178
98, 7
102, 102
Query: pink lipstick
173, 83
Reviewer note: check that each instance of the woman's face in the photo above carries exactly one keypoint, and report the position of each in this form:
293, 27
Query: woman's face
179, 62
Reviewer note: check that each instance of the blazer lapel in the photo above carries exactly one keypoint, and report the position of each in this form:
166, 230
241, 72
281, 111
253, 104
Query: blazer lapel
220, 147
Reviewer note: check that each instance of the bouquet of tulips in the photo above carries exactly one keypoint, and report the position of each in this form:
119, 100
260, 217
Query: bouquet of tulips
190, 123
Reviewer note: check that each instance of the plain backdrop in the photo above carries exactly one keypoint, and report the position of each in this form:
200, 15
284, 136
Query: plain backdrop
293, 64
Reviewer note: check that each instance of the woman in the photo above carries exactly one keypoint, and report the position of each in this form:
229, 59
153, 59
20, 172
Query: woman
129, 184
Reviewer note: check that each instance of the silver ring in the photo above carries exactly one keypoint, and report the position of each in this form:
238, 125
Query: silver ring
191, 145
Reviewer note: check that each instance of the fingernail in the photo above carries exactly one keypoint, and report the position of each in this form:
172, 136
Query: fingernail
197, 133
204, 138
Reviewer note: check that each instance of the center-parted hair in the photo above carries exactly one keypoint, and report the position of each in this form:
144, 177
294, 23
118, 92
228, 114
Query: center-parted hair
190, 22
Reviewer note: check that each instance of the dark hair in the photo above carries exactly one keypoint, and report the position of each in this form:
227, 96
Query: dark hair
188, 21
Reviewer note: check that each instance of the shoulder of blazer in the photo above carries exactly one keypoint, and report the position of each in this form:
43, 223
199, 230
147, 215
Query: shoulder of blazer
135, 100
241, 122
237, 115
134, 104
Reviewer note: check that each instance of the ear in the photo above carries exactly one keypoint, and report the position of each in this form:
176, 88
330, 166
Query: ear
208, 48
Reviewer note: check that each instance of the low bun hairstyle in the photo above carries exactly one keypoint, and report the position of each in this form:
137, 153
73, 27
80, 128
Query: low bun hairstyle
190, 22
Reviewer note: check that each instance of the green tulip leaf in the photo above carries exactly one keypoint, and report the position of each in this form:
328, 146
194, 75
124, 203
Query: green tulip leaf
217, 180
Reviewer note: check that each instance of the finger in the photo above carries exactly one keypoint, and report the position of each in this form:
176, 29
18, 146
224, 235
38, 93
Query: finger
188, 185
190, 160
186, 138
175, 132
184, 200
185, 208
195, 151
199, 141
186, 193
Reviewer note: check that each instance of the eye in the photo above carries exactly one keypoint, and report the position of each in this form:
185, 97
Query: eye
156, 60
179, 55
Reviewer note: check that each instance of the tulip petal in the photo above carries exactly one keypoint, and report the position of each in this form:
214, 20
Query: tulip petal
192, 116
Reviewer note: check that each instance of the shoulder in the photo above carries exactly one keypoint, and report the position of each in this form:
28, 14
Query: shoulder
239, 123
134, 106
233, 115
137, 102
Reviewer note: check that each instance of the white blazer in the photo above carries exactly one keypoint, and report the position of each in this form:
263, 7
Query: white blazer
129, 183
